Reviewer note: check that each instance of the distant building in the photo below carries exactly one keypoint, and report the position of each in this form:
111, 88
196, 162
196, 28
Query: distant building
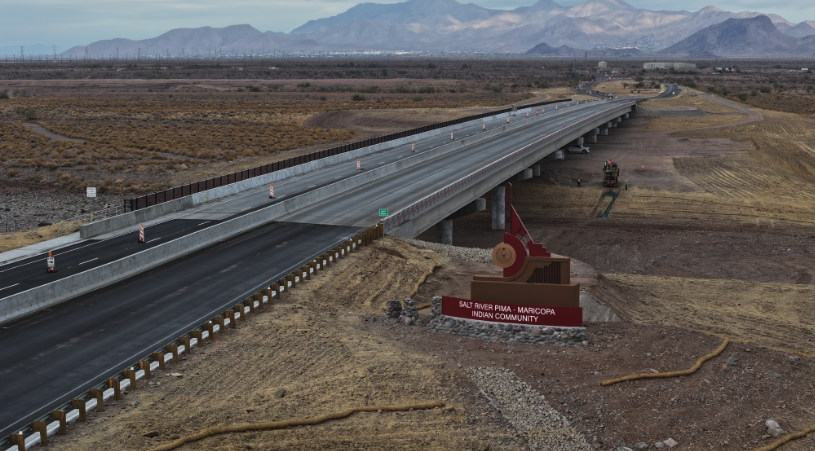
805, 69
675, 66
602, 64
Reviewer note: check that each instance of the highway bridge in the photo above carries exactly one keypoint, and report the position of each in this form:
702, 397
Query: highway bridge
125, 300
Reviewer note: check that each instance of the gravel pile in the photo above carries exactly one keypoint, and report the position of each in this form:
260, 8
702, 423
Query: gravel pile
526, 410
465, 253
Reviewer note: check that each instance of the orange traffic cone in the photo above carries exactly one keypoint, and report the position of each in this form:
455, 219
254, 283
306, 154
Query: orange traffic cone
51, 263
141, 234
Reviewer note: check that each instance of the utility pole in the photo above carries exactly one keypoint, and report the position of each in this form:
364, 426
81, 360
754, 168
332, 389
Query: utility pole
55, 52
22, 56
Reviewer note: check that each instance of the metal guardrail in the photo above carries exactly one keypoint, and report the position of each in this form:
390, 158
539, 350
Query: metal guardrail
430, 201
215, 182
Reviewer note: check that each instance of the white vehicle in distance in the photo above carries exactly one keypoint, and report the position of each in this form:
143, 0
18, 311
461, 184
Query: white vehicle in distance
576, 149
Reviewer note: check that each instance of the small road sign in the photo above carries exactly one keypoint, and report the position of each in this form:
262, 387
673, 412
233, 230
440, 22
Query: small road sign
383, 212
91, 190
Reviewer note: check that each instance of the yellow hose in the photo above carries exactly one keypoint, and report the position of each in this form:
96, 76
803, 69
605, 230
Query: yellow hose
671, 373
785, 439
424, 277
217, 430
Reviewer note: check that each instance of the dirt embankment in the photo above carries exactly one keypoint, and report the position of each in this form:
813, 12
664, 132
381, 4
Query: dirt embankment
327, 346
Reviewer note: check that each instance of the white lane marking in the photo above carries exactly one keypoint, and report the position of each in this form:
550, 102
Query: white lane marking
18, 283
88, 261
155, 239
203, 223
55, 254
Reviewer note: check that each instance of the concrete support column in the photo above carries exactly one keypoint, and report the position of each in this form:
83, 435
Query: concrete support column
593, 139
617, 120
536, 170
444, 232
613, 125
523, 175
498, 205
579, 141
596, 131
625, 116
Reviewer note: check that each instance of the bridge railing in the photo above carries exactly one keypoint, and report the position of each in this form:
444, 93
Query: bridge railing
177, 192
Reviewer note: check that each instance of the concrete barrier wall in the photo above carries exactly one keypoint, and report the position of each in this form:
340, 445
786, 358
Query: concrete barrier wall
155, 211
61, 290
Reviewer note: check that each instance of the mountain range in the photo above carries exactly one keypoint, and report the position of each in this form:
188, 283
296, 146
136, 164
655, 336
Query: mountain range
450, 26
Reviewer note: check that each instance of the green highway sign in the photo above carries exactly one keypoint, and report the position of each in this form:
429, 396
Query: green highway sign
383, 212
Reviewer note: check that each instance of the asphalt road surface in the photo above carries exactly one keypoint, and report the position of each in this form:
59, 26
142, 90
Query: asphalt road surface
61, 352
25, 274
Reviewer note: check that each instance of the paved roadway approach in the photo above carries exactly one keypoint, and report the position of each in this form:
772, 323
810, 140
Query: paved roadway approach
59, 353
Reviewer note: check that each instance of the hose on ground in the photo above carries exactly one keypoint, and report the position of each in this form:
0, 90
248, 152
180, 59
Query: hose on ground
690, 370
218, 430
800, 434
429, 272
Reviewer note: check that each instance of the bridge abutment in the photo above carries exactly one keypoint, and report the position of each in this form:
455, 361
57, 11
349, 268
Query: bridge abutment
444, 232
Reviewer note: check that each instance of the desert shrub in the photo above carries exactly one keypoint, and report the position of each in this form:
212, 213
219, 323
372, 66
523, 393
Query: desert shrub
358, 98
743, 97
370, 90
691, 84
713, 89
12, 173
3, 95
239, 90
253, 88
418, 99
753, 93
426, 90
401, 90
765, 89
304, 85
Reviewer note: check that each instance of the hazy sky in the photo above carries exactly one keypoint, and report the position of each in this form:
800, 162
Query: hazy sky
79, 22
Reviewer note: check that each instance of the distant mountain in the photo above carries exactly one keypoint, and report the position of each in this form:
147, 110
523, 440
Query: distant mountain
447, 25
743, 37
545, 49
190, 41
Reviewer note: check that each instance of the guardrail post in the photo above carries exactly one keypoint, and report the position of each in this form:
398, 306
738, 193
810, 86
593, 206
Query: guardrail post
130, 374
283, 283
326, 259
209, 327
231, 315
313, 265
239, 309
186, 342
159, 357
62, 417
173, 348
99, 394
251, 304
117, 388
307, 271
198, 335
144, 365
79, 404
39, 426
276, 288
220, 321
17, 439
291, 279
268, 293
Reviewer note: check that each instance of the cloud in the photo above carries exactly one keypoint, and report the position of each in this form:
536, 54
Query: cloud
81, 22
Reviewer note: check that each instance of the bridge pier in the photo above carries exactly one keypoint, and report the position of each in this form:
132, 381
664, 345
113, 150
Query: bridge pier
579, 141
444, 232
523, 175
498, 207
604, 129
626, 116
593, 139
536, 170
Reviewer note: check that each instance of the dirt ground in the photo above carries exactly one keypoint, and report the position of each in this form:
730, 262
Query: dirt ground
327, 346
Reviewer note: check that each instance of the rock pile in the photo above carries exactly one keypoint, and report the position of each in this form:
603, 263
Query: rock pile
410, 314
393, 308
527, 411
465, 253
